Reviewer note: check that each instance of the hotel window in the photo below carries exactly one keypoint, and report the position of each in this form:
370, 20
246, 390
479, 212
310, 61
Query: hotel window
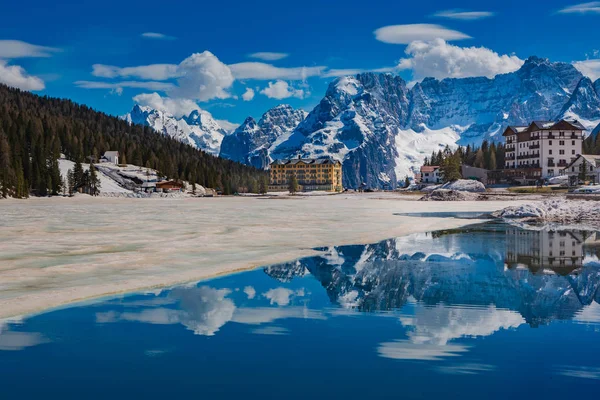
573, 151
561, 152
550, 151
561, 142
550, 142
573, 142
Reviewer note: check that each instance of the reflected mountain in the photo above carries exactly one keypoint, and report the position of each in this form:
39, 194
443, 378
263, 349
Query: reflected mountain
543, 275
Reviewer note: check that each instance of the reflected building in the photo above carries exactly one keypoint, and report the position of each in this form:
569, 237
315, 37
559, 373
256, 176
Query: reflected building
462, 267
538, 250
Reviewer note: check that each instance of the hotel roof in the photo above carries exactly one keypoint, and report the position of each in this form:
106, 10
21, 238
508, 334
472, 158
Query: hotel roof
314, 161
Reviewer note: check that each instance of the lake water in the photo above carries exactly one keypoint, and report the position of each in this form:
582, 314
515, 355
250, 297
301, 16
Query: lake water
488, 311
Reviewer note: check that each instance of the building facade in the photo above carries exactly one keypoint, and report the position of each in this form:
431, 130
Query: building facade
560, 251
311, 174
430, 174
542, 149
585, 166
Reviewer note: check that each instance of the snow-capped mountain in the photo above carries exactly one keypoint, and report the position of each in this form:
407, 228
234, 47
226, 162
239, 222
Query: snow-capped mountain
450, 269
199, 129
252, 142
382, 130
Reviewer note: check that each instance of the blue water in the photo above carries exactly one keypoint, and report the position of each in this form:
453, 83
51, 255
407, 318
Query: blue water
488, 311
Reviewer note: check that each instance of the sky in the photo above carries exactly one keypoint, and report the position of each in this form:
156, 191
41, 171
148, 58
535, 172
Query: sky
238, 58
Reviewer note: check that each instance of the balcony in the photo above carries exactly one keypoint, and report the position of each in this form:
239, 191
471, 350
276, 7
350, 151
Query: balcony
551, 136
551, 163
534, 146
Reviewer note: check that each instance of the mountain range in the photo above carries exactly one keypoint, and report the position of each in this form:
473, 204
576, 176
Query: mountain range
382, 128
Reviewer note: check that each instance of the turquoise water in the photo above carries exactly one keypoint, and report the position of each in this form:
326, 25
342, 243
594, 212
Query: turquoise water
488, 311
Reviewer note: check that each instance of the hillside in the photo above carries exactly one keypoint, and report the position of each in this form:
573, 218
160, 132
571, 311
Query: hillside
34, 130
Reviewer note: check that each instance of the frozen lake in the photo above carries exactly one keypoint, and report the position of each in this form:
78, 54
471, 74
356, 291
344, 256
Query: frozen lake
56, 250
486, 311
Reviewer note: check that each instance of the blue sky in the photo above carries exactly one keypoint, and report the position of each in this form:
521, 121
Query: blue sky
204, 52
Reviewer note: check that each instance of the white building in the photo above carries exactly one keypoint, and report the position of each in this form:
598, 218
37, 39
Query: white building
111, 156
591, 163
542, 149
560, 251
430, 174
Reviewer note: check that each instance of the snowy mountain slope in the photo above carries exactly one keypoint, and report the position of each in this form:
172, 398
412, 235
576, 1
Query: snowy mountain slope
382, 130
199, 129
252, 142
584, 105
107, 185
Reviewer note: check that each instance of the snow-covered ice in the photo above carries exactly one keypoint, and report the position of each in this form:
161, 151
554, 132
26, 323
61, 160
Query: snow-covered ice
60, 250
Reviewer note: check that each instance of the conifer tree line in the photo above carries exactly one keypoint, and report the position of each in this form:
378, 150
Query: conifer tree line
35, 130
591, 145
489, 156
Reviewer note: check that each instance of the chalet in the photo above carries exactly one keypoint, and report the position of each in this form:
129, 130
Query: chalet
169, 186
111, 157
587, 162
431, 174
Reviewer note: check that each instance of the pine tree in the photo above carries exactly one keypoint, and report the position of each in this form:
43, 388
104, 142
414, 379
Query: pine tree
492, 165
78, 178
70, 182
450, 168
293, 184
94, 181
263, 185
479, 159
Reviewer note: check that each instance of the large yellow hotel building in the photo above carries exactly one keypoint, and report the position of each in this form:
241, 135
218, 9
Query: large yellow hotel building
312, 174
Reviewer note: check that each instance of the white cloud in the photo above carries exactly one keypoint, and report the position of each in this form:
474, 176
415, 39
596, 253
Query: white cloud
157, 72
465, 369
589, 68
271, 330
464, 15
14, 341
263, 71
248, 94
16, 76
579, 371
19, 49
405, 34
280, 296
440, 60
148, 85
353, 71
250, 292
583, 8
175, 106
227, 125
202, 76
156, 35
405, 350
282, 90
268, 56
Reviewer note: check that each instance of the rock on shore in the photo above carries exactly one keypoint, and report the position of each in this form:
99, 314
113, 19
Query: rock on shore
559, 211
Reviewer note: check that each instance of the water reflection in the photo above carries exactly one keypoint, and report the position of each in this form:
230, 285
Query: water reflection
457, 303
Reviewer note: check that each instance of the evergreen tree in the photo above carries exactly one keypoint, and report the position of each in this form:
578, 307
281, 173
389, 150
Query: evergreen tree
492, 165
583, 171
293, 184
479, 159
78, 175
70, 182
263, 185
450, 168
94, 181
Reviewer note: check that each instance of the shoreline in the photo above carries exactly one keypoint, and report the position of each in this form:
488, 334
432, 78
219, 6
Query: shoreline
55, 252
